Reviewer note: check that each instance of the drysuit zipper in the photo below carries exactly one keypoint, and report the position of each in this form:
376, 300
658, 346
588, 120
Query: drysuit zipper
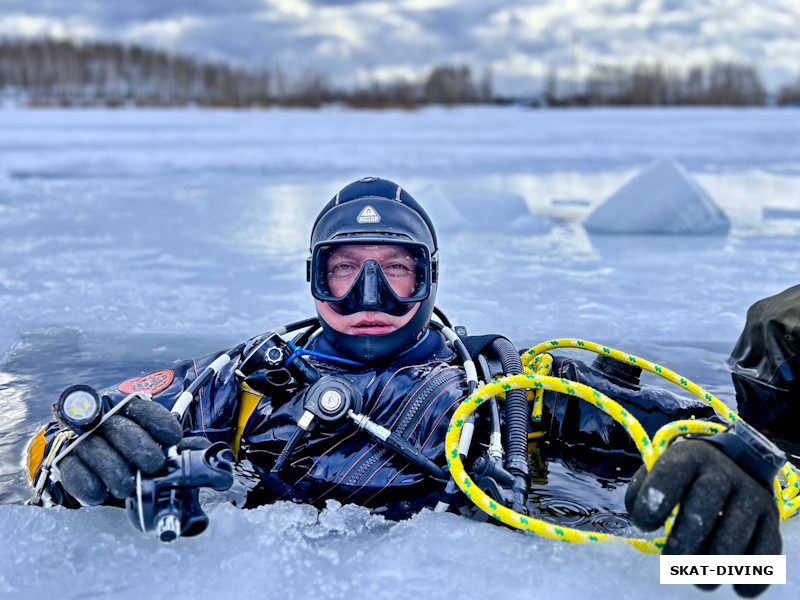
409, 413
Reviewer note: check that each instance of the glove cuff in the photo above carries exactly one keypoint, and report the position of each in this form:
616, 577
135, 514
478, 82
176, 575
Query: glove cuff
751, 450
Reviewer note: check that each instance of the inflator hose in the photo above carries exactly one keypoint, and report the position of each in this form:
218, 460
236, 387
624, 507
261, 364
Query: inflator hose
516, 425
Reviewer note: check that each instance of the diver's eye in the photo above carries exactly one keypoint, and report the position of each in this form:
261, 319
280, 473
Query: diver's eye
396, 270
342, 270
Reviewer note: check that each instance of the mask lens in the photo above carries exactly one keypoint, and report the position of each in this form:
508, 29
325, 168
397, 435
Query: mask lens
337, 269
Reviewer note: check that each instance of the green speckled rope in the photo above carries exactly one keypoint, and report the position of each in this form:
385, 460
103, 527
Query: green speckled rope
786, 496
788, 503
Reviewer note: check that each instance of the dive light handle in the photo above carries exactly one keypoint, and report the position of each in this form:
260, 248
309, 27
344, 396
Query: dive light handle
168, 502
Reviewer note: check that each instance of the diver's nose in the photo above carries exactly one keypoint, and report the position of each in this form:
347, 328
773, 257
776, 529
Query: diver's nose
370, 296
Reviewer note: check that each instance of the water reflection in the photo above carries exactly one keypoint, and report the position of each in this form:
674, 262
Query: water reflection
570, 495
275, 220
14, 428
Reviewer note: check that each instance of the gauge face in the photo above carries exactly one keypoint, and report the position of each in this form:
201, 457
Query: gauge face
79, 406
331, 401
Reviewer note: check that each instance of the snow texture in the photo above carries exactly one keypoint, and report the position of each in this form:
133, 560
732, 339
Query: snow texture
662, 199
295, 552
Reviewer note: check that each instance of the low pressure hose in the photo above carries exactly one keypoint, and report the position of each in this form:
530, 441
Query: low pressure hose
516, 425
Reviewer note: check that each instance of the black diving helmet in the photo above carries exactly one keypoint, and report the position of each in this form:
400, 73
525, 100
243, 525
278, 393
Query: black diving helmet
349, 273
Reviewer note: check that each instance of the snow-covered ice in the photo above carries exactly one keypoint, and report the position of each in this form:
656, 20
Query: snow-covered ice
482, 211
662, 199
129, 239
295, 552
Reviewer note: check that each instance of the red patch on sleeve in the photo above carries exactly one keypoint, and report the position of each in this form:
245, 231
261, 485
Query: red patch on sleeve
151, 384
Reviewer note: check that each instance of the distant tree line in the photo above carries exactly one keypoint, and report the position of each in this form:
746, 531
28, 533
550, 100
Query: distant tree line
727, 84
790, 94
49, 72
66, 73
63, 72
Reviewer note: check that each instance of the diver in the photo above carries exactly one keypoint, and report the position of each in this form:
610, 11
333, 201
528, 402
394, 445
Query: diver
765, 367
354, 405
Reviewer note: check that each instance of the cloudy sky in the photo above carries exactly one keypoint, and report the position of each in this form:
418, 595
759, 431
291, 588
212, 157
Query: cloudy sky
355, 41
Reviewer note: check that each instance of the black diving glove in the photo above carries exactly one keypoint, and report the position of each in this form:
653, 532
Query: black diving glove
105, 462
724, 510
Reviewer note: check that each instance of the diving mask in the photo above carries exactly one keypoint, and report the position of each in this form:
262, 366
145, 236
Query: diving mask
355, 276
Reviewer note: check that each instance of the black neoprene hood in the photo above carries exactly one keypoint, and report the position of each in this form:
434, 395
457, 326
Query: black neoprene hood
377, 211
395, 216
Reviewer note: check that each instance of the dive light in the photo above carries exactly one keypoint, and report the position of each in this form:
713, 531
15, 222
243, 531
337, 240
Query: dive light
79, 407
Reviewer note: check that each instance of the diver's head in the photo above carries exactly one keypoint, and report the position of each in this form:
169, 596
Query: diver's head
373, 270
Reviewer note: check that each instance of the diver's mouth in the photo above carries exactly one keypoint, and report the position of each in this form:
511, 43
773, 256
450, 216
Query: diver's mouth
372, 326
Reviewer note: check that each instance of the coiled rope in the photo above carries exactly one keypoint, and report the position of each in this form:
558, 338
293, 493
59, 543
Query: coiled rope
786, 495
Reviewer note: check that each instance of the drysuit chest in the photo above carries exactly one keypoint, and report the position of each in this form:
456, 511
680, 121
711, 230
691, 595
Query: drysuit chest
338, 461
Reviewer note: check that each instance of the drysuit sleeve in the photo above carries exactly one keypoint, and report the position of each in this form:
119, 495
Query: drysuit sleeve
765, 365
212, 415
213, 412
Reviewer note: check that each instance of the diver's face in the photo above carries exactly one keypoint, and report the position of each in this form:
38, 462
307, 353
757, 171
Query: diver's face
345, 263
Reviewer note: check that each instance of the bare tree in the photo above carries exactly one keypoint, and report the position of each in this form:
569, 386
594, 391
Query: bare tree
790, 94
450, 85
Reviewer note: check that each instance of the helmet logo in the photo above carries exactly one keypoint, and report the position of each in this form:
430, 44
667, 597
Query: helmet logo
368, 215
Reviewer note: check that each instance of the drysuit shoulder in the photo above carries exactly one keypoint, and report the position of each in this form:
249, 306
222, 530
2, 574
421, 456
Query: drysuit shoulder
765, 365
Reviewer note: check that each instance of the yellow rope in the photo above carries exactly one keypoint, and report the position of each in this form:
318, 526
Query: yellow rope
786, 496
541, 365
515, 519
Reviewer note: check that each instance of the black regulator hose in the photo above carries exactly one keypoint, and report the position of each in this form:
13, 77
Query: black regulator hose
516, 425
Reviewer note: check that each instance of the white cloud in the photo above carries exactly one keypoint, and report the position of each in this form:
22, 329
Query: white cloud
423, 5
163, 33
518, 38
294, 8
19, 25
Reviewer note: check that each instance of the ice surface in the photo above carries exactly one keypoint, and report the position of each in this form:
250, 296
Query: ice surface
781, 213
482, 211
295, 552
662, 199
130, 239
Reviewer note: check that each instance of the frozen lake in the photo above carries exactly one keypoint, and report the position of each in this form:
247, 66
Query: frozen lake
129, 239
